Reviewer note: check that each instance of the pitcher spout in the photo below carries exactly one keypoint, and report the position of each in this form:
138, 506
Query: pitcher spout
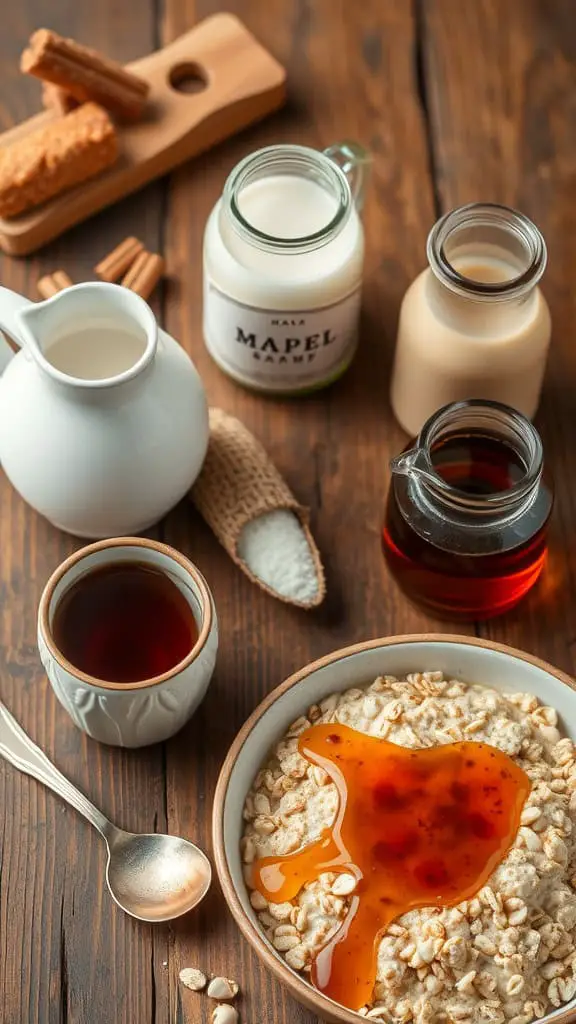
416, 465
405, 463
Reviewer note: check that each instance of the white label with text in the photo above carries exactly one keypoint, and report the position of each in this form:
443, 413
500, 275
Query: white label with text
278, 349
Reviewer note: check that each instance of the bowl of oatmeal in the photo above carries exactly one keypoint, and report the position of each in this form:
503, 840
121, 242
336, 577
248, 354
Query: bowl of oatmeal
505, 954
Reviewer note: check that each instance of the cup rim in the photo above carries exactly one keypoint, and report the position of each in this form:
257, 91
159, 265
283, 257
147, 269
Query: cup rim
296, 984
206, 602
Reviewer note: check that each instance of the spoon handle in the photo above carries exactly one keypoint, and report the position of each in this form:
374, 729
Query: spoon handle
17, 748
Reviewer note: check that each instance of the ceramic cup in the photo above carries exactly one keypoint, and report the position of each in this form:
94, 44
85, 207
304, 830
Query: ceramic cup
131, 714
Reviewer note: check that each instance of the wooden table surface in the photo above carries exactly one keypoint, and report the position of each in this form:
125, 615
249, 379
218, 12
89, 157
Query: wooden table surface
458, 100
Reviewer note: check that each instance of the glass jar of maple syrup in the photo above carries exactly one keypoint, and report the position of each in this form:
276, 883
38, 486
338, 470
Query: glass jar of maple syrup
467, 511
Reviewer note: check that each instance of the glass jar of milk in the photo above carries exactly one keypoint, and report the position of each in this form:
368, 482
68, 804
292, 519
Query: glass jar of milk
474, 324
283, 256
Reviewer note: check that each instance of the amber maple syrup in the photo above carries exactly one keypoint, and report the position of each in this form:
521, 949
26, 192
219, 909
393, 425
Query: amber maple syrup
124, 622
468, 537
416, 828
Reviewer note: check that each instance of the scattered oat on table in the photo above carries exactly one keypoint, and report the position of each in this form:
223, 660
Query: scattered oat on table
193, 978
224, 1014
222, 989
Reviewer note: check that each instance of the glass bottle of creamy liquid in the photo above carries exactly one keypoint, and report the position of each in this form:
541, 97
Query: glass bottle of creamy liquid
283, 256
474, 324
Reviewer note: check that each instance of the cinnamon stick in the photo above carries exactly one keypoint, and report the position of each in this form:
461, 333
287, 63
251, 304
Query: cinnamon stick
117, 262
56, 98
53, 283
85, 74
144, 273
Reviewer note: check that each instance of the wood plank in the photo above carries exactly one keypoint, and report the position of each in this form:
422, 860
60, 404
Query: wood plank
503, 113
345, 80
66, 952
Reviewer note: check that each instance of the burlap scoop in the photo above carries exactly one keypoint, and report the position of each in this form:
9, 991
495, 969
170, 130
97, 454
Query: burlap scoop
237, 484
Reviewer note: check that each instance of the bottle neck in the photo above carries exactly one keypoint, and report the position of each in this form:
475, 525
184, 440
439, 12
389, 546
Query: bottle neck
486, 261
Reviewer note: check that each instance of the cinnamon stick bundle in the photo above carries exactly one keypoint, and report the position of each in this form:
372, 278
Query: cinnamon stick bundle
53, 283
85, 74
144, 273
117, 262
56, 98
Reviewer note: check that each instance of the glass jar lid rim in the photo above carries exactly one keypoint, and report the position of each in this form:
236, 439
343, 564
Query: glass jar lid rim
295, 154
498, 499
482, 213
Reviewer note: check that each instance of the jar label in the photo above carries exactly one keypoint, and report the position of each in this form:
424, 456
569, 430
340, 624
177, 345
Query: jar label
276, 349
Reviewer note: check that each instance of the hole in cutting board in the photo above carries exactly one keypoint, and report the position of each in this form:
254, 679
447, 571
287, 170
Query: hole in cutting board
188, 77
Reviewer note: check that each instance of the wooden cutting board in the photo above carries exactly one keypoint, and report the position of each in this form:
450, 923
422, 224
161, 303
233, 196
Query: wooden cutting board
237, 82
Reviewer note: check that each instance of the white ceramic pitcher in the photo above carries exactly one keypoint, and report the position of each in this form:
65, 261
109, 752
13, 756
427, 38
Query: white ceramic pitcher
103, 417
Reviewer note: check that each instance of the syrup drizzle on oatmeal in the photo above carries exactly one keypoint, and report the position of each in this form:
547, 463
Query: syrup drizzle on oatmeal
416, 828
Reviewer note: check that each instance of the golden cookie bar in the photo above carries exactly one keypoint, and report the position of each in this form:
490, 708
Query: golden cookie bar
56, 157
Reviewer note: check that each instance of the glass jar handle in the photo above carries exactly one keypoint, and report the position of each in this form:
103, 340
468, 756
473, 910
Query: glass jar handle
355, 162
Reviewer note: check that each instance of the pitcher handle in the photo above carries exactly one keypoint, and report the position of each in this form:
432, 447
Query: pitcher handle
11, 303
355, 161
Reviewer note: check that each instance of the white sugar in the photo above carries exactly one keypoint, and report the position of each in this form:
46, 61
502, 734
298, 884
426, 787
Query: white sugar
276, 550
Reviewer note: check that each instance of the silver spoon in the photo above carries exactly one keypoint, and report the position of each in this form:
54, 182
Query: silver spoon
152, 877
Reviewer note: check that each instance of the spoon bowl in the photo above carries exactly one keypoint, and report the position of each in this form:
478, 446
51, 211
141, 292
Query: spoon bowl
156, 877
151, 877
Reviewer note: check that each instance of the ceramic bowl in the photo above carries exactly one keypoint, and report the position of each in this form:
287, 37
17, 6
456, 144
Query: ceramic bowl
131, 714
473, 661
